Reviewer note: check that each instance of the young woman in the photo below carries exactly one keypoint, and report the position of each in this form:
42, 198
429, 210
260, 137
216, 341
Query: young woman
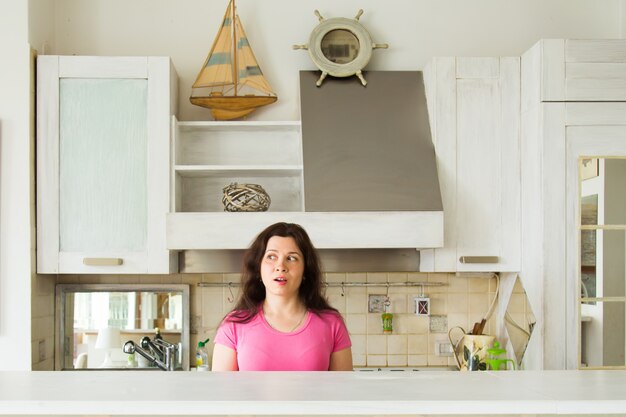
281, 321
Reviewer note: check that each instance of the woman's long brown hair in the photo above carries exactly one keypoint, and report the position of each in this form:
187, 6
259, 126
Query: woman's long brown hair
252, 288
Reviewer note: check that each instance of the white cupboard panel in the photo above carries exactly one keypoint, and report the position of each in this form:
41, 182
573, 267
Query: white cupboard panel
328, 230
103, 67
510, 164
595, 70
127, 262
477, 140
603, 136
531, 78
442, 92
552, 69
479, 67
478, 166
595, 50
48, 164
553, 230
577, 70
589, 114
588, 89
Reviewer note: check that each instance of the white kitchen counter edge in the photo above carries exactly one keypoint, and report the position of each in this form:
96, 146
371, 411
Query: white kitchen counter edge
312, 393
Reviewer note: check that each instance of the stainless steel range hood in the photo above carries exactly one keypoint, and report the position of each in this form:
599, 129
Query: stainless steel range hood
368, 148
371, 188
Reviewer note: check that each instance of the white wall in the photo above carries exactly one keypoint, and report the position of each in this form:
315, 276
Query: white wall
416, 30
15, 187
41, 25
622, 12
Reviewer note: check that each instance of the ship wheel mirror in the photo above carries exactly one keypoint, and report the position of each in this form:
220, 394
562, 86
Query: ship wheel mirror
340, 47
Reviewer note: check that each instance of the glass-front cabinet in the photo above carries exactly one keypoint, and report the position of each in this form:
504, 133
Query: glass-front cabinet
602, 261
103, 157
103, 154
572, 146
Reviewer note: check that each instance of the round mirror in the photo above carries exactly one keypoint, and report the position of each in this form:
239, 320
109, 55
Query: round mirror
340, 46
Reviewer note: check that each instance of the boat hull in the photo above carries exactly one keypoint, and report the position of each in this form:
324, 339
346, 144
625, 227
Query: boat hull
233, 107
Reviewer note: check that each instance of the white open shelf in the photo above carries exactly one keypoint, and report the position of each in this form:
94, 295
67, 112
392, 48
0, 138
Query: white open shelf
209, 156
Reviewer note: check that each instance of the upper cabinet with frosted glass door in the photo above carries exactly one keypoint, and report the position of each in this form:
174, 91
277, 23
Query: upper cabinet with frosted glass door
103, 130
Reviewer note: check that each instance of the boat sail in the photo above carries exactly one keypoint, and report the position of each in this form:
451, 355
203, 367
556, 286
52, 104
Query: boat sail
230, 82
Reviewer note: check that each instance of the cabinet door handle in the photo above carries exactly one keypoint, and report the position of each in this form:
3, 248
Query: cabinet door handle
103, 261
479, 259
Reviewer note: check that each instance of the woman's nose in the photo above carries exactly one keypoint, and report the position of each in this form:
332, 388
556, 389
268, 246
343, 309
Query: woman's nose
280, 265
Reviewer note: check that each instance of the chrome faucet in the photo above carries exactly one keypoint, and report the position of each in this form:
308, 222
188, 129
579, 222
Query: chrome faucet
159, 352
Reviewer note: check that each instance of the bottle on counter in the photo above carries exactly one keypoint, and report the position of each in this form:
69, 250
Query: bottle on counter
131, 361
202, 357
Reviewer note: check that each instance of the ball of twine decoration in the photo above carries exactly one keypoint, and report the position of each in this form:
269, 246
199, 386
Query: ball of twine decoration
245, 197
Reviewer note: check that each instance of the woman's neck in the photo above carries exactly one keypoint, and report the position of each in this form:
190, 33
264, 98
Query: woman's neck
284, 315
283, 307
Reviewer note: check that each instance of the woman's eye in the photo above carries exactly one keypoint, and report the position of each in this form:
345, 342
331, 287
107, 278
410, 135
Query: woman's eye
271, 257
292, 258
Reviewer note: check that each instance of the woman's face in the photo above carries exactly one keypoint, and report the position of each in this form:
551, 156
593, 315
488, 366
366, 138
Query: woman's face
282, 266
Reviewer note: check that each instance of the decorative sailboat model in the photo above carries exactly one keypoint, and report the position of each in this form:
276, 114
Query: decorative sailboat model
230, 82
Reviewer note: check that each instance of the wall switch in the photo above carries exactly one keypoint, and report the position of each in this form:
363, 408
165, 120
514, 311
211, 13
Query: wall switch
443, 348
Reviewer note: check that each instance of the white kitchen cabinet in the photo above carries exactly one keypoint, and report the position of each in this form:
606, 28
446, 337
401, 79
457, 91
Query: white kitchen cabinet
474, 106
573, 105
210, 155
103, 130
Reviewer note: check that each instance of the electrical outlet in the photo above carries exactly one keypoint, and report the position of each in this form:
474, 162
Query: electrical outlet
376, 303
443, 348
438, 324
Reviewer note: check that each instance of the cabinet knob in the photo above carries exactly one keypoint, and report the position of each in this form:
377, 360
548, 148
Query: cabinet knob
479, 259
103, 261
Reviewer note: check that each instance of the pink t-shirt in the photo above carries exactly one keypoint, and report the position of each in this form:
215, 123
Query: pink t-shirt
259, 347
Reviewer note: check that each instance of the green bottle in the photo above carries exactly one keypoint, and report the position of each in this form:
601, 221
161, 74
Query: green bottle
387, 323
202, 357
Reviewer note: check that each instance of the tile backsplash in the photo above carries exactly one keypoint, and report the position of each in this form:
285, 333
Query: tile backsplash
460, 300
457, 301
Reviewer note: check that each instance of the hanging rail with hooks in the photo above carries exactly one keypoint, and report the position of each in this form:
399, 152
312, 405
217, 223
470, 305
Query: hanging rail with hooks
341, 285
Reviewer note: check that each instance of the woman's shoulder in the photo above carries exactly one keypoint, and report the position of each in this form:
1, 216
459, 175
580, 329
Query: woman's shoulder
329, 315
329, 320
240, 316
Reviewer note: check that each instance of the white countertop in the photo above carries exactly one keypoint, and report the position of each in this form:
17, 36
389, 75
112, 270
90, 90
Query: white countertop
353, 393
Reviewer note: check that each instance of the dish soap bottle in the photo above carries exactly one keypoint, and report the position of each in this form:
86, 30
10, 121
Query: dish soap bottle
202, 357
